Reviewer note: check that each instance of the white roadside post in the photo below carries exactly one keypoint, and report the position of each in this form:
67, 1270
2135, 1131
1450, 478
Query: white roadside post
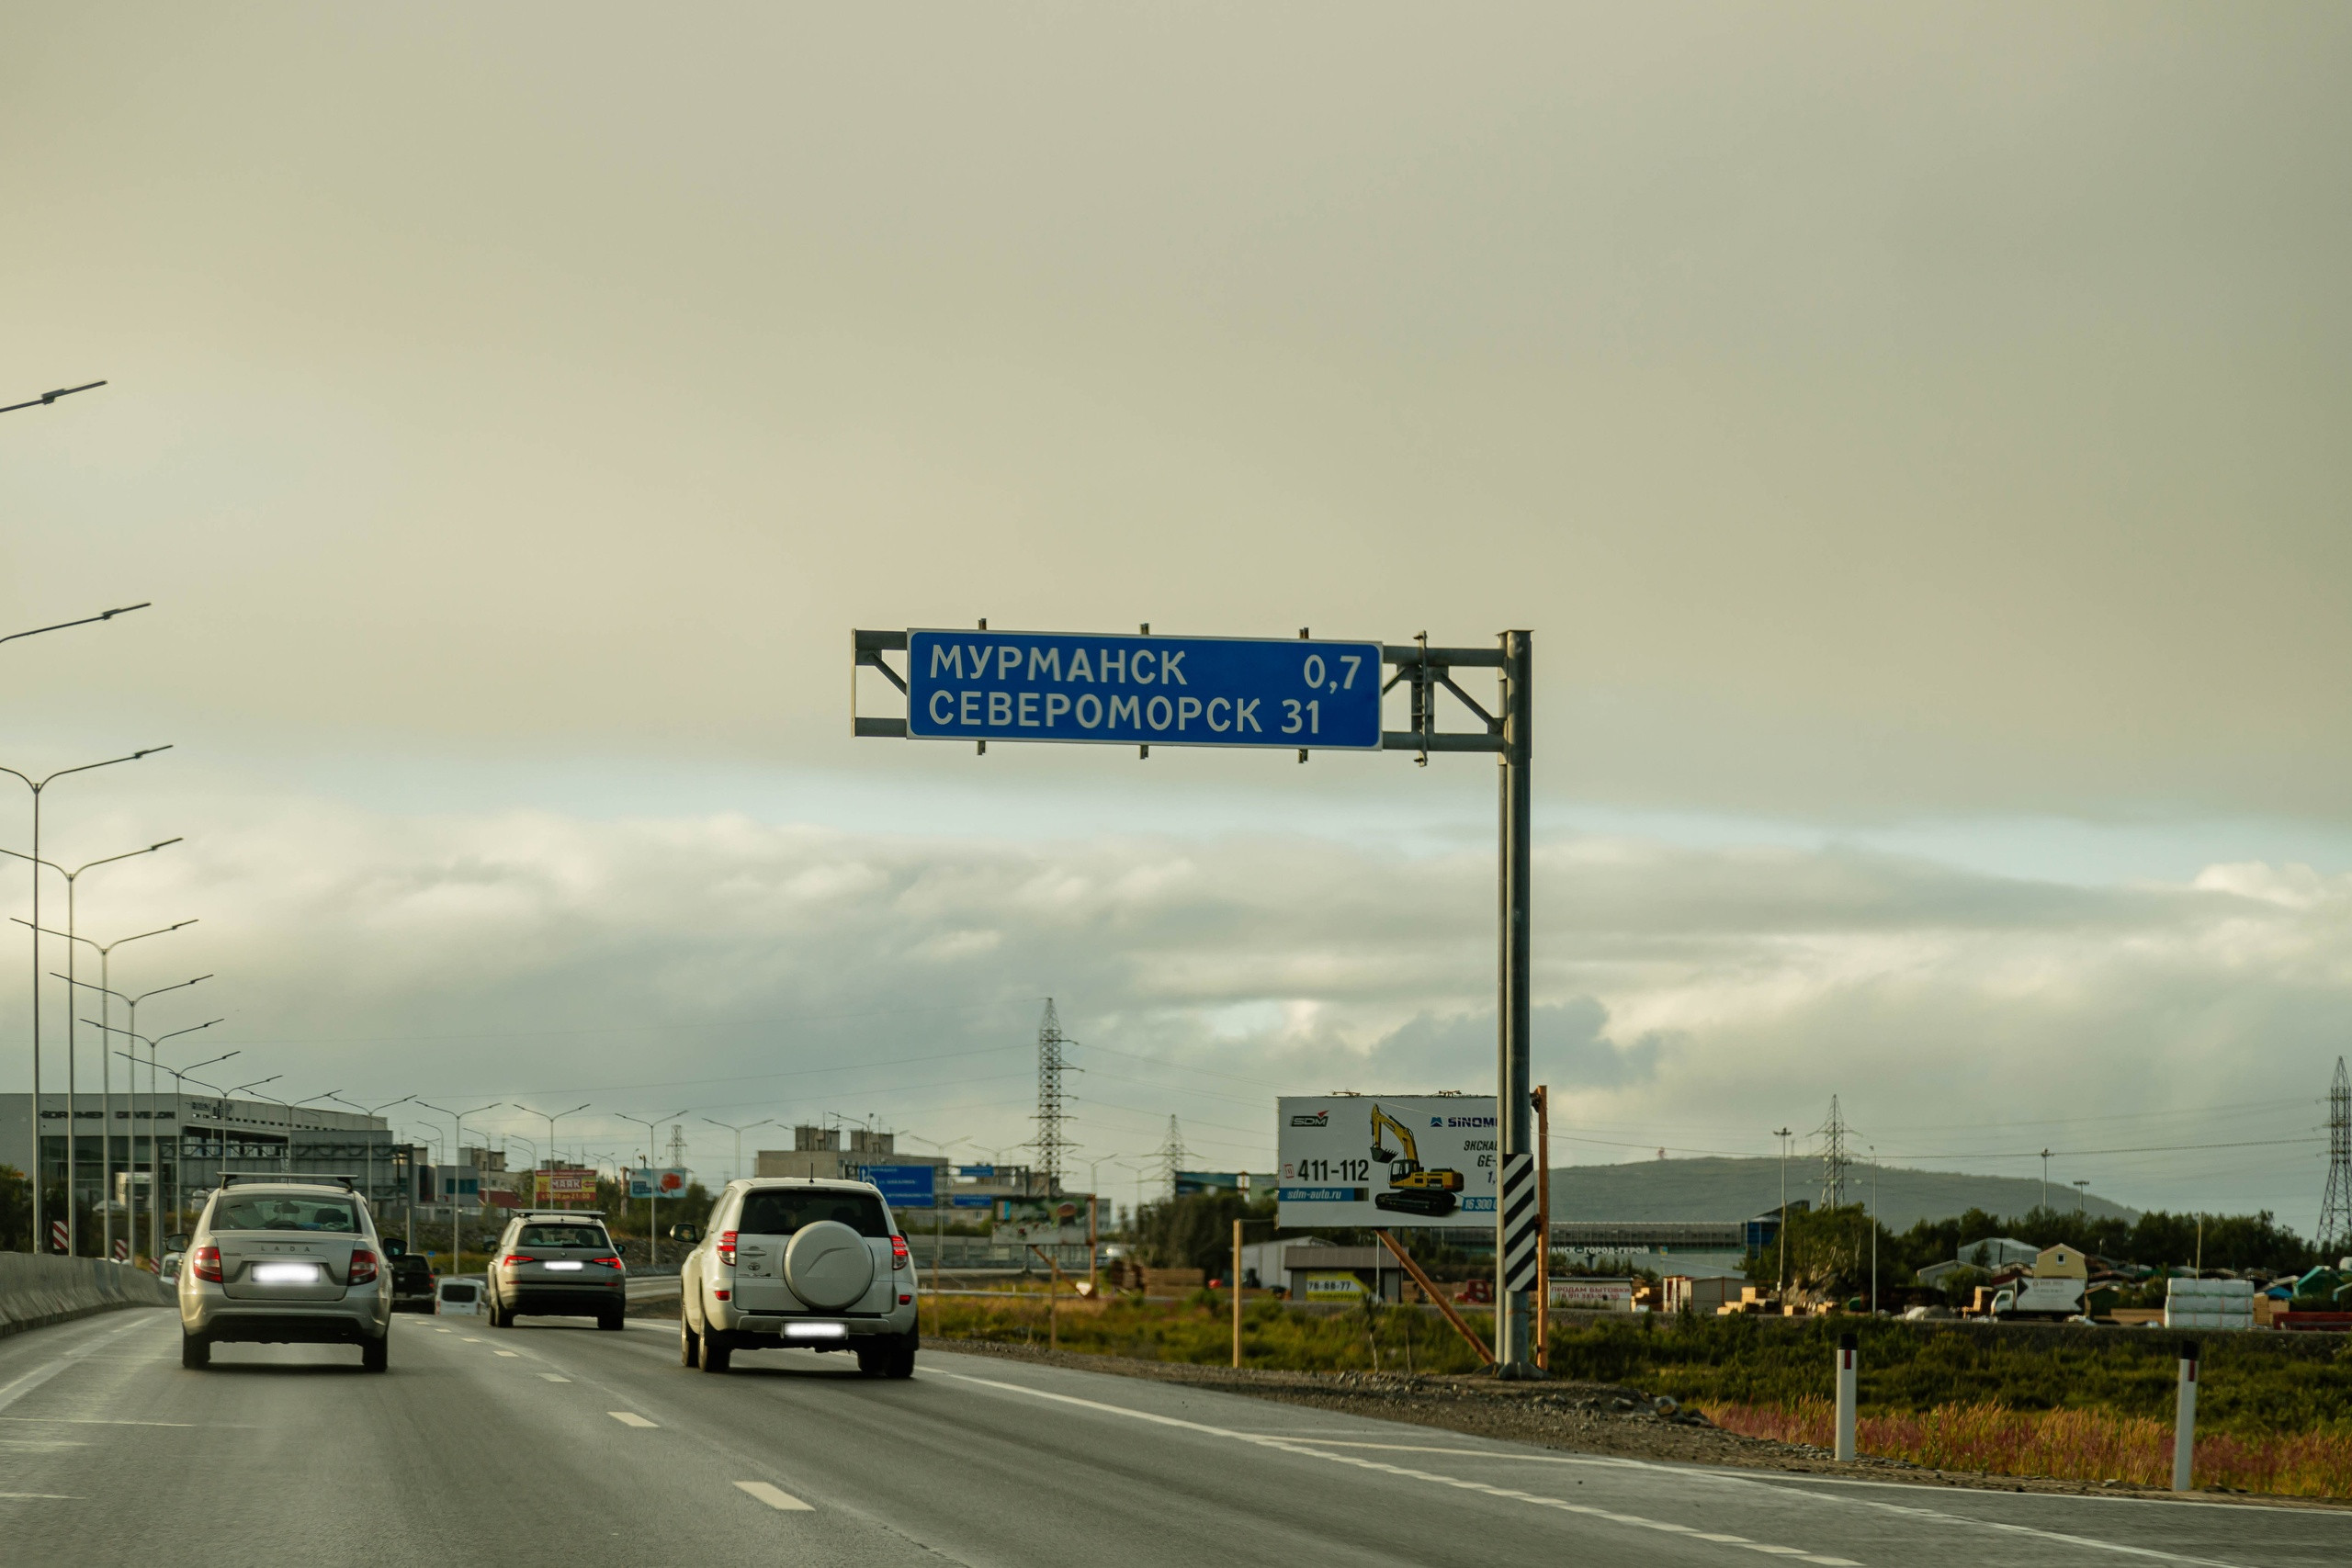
1846, 1380
2183, 1427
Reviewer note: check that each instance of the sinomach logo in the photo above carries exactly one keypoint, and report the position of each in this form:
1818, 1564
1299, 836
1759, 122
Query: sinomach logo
1320, 1119
1466, 1122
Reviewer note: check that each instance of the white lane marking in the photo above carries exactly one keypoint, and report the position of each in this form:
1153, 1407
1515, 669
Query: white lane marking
552, 1378
445, 1331
40, 1375
629, 1418
1811, 1478
46, 1496
775, 1498
470, 1338
101, 1421
1938, 1517
1305, 1448
506, 1352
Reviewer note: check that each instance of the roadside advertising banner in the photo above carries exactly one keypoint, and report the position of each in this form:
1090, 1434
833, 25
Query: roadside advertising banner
1386, 1160
568, 1185
669, 1183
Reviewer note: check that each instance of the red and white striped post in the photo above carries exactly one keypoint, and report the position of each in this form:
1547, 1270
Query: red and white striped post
1846, 1390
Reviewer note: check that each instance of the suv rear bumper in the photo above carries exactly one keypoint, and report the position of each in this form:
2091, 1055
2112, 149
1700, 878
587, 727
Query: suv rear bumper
563, 1301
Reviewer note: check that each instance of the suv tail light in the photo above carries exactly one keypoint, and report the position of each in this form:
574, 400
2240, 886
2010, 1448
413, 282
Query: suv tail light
207, 1264
899, 1254
727, 1248
363, 1266
607, 1262
516, 1258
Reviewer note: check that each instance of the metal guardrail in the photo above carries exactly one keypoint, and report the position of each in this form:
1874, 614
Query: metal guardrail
986, 1252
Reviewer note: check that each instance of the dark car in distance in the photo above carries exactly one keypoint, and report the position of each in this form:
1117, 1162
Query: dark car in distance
412, 1282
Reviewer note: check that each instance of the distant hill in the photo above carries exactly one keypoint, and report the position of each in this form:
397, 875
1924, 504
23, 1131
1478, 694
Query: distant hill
1716, 1189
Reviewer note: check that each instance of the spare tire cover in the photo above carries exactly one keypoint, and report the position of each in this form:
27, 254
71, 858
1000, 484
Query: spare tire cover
828, 1265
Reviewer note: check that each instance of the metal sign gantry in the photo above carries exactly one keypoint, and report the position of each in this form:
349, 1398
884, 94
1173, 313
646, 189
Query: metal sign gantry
1305, 693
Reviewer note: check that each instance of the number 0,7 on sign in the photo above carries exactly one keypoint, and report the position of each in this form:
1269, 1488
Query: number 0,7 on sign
1129, 690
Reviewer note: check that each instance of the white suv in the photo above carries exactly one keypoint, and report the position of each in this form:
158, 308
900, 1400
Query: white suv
813, 1264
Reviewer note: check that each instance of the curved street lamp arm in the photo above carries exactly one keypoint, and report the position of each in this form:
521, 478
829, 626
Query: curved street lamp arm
45, 398
89, 985
126, 854
161, 989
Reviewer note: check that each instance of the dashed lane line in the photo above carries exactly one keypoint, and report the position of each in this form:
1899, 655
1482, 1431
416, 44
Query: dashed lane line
1306, 1448
41, 1374
552, 1377
44, 1496
630, 1418
508, 1353
775, 1498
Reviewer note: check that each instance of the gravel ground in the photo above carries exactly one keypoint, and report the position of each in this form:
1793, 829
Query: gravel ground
1580, 1417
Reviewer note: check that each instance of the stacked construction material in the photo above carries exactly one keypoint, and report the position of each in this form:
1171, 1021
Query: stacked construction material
2209, 1303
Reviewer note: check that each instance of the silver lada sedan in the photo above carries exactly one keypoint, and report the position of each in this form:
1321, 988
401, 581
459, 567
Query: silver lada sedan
285, 1261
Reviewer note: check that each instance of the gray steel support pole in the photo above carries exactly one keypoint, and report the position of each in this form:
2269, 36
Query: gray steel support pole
1847, 1349
41, 1235
2184, 1426
1514, 1310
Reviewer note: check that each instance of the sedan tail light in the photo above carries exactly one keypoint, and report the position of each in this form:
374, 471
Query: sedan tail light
207, 1264
899, 1254
727, 1248
363, 1266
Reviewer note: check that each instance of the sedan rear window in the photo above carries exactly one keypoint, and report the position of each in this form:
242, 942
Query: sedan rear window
283, 1211
561, 1236
781, 1212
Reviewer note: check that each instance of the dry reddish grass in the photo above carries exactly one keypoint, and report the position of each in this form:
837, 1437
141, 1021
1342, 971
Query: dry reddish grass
2074, 1445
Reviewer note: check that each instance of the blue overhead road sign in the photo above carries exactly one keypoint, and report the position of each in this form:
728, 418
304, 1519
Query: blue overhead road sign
905, 1185
1156, 691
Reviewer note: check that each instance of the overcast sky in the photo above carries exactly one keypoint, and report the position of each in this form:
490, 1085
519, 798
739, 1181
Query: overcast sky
1914, 437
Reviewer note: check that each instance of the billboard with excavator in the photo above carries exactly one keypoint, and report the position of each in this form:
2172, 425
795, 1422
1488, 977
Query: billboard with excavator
1386, 1160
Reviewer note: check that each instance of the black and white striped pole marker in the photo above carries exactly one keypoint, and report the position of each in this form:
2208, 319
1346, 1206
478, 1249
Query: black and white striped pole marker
2184, 1426
1521, 1227
1846, 1393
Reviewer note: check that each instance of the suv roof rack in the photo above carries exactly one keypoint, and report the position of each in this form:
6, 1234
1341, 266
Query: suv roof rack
561, 1214
282, 1178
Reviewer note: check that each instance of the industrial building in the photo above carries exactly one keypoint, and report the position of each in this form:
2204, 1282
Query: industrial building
187, 1142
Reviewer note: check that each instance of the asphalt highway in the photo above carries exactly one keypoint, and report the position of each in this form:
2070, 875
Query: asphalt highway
553, 1442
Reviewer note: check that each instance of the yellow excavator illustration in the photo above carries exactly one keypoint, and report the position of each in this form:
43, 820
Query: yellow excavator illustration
1411, 1190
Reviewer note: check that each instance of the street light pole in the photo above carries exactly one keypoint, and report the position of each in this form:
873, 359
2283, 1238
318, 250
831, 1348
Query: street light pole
180, 1080
73, 1054
36, 787
372, 1111
1782, 1230
107, 996
550, 1121
456, 1147
735, 1169
155, 1176
652, 1188
288, 1106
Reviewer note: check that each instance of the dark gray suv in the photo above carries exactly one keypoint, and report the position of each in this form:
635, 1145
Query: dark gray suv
557, 1263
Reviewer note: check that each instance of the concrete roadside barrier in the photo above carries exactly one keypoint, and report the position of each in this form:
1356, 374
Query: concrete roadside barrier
37, 1291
